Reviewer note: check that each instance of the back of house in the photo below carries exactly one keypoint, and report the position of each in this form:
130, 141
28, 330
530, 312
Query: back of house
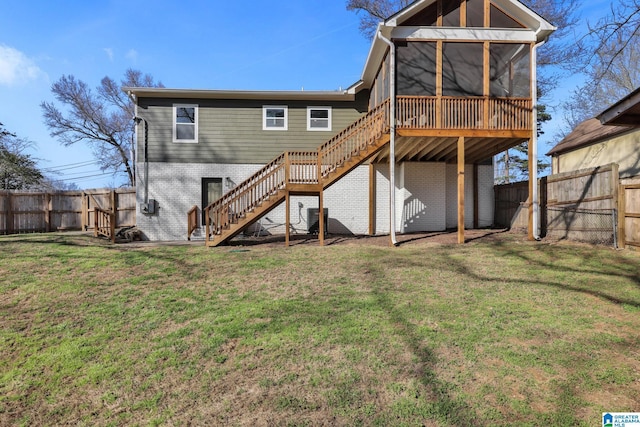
454, 82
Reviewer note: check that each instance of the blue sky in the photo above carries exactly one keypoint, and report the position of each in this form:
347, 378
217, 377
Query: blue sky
250, 45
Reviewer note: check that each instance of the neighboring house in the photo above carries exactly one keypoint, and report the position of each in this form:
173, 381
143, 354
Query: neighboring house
461, 75
610, 138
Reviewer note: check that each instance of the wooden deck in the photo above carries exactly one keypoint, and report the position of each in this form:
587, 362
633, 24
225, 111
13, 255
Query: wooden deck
427, 129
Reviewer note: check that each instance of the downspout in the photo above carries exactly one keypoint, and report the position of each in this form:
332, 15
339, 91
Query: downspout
534, 142
392, 142
137, 121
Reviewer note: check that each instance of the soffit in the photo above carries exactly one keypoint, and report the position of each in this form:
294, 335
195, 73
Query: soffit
624, 112
239, 94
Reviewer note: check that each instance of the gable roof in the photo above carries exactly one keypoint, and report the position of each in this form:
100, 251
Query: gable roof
624, 112
587, 133
514, 8
537, 28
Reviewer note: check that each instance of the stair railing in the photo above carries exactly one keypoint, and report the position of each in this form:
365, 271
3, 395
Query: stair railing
353, 139
244, 197
296, 167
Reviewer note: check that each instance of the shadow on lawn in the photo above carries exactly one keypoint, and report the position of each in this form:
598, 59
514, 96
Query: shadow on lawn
456, 412
625, 268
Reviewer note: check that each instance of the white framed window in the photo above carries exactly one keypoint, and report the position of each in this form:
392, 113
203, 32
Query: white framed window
185, 123
319, 118
275, 117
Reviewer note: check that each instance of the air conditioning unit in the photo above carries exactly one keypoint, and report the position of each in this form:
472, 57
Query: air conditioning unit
313, 225
148, 208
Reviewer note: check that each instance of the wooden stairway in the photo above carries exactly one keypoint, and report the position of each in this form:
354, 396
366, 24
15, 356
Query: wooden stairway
296, 172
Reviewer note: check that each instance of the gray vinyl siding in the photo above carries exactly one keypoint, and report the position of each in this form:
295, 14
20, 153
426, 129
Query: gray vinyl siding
230, 131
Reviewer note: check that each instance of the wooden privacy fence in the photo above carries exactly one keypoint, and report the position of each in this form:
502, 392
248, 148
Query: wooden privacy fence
582, 205
586, 205
511, 207
629, 215
22, 212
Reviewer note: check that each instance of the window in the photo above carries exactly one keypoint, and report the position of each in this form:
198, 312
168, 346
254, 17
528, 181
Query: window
462, 69
185, 123
319, 118
510, 67
274, 117
211, 191
416, 71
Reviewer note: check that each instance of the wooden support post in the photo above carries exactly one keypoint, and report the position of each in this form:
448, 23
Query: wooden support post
486, 89
439, 62
487, 13
114, 206
321, 224
461, 190
532, 165
372, 200
287, 219
463, 14
476, 197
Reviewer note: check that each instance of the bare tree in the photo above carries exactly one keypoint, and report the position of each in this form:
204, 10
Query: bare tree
611, 78
373, 11
610, 37
103, 118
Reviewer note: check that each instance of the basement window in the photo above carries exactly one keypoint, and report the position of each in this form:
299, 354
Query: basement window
319, 118
185, 123
274, 117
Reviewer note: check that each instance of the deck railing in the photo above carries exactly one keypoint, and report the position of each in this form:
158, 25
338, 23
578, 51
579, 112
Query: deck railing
192, 221
105, 224
302, 167
483, 113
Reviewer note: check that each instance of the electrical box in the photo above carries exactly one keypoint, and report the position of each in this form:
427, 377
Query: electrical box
313, 225
148, 208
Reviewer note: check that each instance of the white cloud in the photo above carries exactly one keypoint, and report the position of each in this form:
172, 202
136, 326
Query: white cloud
132, 55
109, 52
16, 68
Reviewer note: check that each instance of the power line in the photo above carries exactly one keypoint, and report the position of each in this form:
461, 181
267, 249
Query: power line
70, 166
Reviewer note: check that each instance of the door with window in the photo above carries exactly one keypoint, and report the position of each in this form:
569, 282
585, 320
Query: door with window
211, 191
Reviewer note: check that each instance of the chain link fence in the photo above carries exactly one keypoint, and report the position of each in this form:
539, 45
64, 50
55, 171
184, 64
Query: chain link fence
576, 223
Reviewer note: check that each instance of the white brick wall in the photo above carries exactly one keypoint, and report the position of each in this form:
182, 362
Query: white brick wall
426, 199
423, 197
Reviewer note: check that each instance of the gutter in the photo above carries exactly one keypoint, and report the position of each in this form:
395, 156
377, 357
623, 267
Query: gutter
392, 142
534, 144
137, 121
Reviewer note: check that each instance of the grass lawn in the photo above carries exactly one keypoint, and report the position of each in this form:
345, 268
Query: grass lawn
499, 332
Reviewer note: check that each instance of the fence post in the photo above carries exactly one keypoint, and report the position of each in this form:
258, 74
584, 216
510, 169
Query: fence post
114, 206
543, 206
622, 204
95, 223
85, 213
9, 213
47, 212
112, 225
